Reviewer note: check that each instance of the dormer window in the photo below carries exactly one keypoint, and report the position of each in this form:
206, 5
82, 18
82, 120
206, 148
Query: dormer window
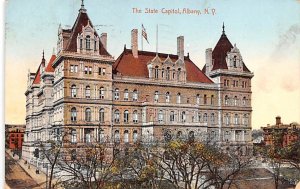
95, 45
88, 42
156, 72
80, 43
234, 61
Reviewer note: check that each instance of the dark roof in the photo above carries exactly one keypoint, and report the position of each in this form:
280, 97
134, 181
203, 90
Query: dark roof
127, 65
220, 52
82, 20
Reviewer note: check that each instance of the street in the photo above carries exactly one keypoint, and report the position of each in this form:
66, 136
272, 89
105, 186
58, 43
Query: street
16, 177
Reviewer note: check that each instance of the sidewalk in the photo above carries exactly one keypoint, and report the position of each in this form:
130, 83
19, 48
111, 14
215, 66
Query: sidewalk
39, 178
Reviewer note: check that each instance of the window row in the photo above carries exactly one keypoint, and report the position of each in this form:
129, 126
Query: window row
126, 94
87, 92
235, 101
167, 73
126, 134
87, 115
88, 70
237, 119
235, 83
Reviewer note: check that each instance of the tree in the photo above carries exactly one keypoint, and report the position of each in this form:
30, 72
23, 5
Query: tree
91, 166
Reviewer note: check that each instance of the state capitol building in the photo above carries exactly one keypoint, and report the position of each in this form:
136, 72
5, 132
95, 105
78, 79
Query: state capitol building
140, 96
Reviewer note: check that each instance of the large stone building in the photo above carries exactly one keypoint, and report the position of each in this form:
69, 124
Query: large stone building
139, 96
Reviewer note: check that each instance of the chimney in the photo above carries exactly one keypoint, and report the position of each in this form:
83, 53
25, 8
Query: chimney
180, 47
134, 42
103, 40
278, 120
208, 59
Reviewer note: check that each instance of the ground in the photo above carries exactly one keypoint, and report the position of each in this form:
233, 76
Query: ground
16, 177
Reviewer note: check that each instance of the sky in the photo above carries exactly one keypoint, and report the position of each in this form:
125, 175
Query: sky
266, 32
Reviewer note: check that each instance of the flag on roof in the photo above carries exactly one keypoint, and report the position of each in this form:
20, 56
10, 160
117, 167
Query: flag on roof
144, 33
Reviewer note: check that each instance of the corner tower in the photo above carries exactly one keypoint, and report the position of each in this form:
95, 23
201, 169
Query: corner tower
225, 66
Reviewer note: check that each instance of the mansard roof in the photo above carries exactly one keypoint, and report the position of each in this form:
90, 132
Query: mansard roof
220, 52
127, 65
81, 21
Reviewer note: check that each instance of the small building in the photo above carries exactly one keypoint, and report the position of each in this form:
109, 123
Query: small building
286, 133
14, 136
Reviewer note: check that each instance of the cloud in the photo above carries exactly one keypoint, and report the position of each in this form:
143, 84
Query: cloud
286, 40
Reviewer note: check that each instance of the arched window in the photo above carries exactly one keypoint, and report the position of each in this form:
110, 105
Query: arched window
167, 97
87, 133
73, 136
179, 135
183, 117
236, 119
101, 115
80, 43
156, 72
167, 136
135, 95
235, 101
95, 45
227, 119
199, 117
160, 116
244, 101
212, 99
226, 100
172, 116
245, 120
87, 92
174, 73
212, 118
135, 116
168, 73
117, 94
178, 98
88, 116
156, 96
88, 42
101, 93
162, 73
178, 74
135, 136
117, 136
191, 136
117, 116
205, 99
73, 91
73, 114
126, 116
205, 118
234, 61
101, 136
126, 136
198, 99
126, 95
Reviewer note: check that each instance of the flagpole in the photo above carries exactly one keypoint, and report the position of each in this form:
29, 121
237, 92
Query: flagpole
156, 39
142, 36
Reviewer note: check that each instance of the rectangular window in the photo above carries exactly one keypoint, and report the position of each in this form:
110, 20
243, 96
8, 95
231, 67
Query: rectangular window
103, 71
76, 68
90, 70
71, 68
99, 71
85, 70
